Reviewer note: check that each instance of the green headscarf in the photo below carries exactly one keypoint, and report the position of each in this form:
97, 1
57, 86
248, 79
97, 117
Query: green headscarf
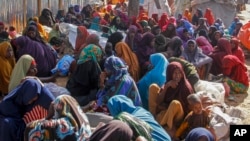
20, 70
90, 52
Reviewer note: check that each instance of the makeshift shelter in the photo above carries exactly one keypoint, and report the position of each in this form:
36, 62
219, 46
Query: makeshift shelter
156, 7
224, 9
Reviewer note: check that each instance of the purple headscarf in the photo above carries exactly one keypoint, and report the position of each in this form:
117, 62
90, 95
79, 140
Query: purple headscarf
43, 54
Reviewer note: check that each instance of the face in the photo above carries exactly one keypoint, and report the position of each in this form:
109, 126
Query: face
177, 75
233, 45
9, 53
152, 43
118, 20
32, 34
32, 71
197, 108
191, 47
217, 36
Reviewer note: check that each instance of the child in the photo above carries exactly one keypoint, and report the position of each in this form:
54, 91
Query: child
12, 32
198, 117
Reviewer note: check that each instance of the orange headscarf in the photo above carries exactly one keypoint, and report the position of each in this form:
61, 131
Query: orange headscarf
187, 15
41, 30
123, 51
209, 16
7, 65
81, 38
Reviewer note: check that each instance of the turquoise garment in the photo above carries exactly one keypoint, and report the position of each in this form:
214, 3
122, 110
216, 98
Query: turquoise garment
121, 103
157, 75
95, 24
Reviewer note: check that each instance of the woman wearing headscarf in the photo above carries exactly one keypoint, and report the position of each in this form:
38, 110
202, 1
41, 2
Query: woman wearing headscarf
7, 61
169, 105
232, 26
198, 134
124, 52
216, 36
144, 50
133, 21
60, 16
236, 74
46, 18
187, 14
118, 82
92, 39
44, 55
81, 37
222, 49
115, 38
133, 37
118, 24
156, 75
211, 31
174, 52
193, 54
204, 44
25, 67
32, 32
209, 16
119, 103
95, 23
29, 101
236, 49
197, 15
163, 20
169, 31
83, 82
40, 29
65, 121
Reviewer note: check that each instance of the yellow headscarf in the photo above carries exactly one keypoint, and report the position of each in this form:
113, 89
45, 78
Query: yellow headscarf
20, 70
7, 65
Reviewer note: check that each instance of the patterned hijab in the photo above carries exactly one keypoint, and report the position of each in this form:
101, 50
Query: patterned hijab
90, 52
117, 68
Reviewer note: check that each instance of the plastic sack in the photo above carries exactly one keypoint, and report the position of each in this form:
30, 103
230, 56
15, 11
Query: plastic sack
216, 89
63, 65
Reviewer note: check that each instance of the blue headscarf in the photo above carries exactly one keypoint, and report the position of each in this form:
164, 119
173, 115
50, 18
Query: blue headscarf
196, 133
121, 103
156, 75
117, 68
18, 99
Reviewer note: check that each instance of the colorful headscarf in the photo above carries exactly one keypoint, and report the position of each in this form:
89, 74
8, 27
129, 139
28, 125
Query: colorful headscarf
90, 52
209, 16
205, 46
80, 40
197, 133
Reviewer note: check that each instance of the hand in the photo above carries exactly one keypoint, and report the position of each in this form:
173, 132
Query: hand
172, 83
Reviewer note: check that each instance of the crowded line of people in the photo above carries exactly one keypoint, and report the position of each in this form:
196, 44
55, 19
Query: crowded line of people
146, 81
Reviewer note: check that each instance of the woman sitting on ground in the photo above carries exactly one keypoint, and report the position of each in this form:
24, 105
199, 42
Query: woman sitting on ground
26, 66
124, 52
119, 104
83, 82
169, 105
115, 80
156, 74
29, 101
7, 61
193, 54
65, 121
236, 74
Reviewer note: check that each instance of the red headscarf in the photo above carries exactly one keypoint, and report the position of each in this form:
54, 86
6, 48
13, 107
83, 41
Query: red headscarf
109, 8
163, 20
209, 16
235, 69
222, 49
155, 17
237, 51
80, 39
183, 89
